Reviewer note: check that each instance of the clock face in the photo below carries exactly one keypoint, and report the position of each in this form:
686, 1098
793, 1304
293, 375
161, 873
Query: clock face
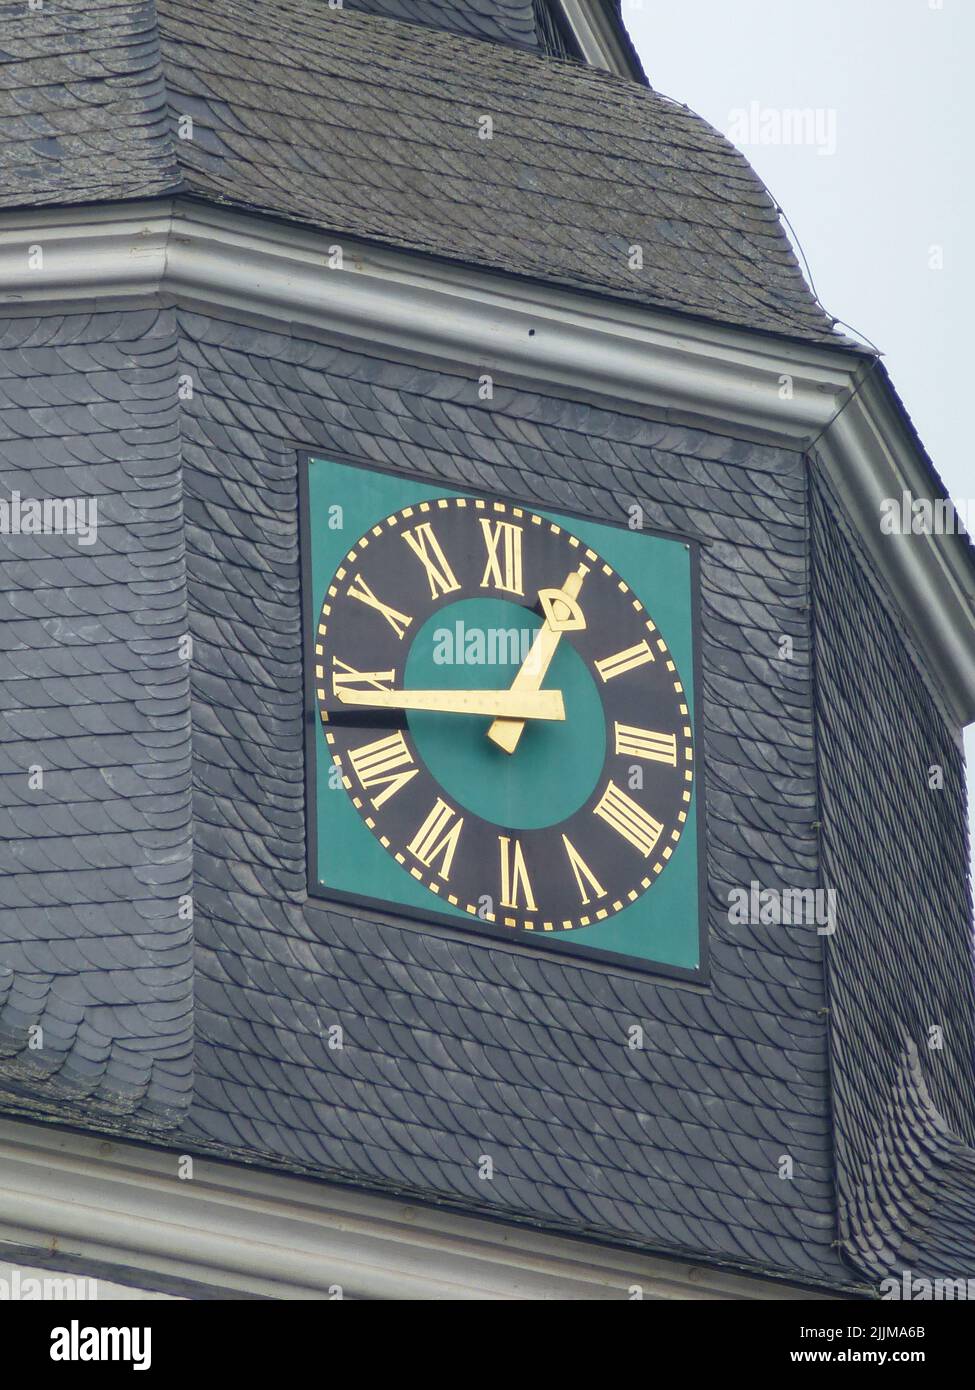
503, 714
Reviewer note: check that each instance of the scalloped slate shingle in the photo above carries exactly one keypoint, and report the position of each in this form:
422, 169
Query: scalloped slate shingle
95, 859
895, 849
501, 21
453, 1049
82, 103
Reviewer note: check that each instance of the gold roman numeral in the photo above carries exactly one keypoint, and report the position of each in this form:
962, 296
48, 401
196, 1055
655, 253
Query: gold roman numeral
504, 570
349, 676
514, 875
585, 878
645, 743
621, 662
359, 589
386, 763
628, 819
423, 542
436, 836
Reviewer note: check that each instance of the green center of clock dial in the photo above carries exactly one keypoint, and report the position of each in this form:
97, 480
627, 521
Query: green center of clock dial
479, 644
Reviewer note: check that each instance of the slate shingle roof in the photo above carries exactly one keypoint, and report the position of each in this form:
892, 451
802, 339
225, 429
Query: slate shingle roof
501, 21
83, 114
368, 128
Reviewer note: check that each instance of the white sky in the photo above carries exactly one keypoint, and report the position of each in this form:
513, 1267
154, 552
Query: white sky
894, 80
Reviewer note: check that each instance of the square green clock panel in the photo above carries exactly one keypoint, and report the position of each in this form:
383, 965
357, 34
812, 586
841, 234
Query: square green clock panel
501, 731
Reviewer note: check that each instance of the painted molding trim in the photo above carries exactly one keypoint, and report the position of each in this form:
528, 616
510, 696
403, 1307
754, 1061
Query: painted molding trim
833, 403
118, 1210
597, 38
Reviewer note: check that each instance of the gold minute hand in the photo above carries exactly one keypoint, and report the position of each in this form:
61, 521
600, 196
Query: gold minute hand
529, 704
562, 614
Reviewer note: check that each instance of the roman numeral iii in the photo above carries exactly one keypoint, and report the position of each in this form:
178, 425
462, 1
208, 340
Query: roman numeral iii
645, 743
515, 882
628, 819
386, 763
502, 570
423, 542
621, 662
359, 589
437, 838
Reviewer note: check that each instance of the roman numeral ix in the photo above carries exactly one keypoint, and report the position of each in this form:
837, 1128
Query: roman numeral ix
348, 676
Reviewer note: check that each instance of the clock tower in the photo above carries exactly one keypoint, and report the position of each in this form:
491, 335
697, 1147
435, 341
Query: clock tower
481, 784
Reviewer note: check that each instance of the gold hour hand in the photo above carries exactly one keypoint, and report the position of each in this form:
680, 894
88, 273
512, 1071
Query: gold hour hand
512, 704
562, 614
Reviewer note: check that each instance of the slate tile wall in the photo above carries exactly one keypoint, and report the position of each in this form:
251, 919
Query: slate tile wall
454, 1048
895, 848
94, 861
